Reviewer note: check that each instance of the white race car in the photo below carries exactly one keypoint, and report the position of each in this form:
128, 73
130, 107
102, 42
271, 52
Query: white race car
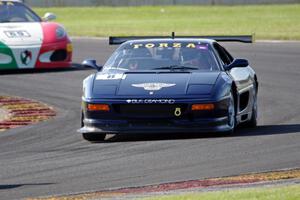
28, 41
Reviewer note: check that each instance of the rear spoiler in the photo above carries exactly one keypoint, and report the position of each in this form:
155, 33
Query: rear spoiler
236, 38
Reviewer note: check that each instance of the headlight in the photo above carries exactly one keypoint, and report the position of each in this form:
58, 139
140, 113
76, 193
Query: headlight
60, 32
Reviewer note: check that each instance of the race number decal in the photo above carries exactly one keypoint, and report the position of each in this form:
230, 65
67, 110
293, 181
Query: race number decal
17, 34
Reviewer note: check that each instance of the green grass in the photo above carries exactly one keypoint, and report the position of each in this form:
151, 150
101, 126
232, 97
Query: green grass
266, 21
273, 193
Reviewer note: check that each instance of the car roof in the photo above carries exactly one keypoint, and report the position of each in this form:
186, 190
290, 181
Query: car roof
205, 41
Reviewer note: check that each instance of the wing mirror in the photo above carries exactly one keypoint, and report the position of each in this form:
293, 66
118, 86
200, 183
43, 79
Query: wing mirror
49, 17
91, 63
237, 63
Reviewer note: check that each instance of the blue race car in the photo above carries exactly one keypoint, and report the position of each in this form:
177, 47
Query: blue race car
168, 85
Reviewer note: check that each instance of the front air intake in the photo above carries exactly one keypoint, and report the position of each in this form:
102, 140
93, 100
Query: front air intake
59, 55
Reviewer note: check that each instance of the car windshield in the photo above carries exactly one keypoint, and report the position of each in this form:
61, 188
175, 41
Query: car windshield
170, 55
16, 12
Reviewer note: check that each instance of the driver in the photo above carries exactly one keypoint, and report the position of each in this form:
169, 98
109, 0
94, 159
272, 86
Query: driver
133, 65
195, 58
9, 12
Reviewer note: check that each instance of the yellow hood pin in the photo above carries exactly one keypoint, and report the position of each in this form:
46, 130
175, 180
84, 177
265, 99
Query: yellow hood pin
177, 112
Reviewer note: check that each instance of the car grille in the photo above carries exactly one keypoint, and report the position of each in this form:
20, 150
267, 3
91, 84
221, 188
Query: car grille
149, 110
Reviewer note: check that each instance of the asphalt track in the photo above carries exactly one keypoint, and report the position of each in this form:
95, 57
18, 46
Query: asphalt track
51, 158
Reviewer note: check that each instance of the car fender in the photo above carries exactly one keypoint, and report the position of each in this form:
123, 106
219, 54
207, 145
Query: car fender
87, 88
222, 87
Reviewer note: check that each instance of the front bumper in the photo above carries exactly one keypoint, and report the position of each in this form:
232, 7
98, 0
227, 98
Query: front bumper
146, 126
55, 55
52, 55
124, 117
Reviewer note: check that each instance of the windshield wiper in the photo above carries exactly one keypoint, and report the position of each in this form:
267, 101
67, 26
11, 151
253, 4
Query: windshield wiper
177, 67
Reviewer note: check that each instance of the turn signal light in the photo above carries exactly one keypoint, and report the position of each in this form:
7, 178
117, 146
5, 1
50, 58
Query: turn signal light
199, 107
98, 107
69, 47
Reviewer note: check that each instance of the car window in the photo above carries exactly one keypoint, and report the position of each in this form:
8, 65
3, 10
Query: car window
223, 54
16, 12
153, 55
229, 56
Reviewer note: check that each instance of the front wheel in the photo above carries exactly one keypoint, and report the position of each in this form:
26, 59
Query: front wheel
91, 137
252, 123
231, 114
81, 120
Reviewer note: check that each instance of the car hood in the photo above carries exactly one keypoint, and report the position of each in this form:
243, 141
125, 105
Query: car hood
21, 34
154, 84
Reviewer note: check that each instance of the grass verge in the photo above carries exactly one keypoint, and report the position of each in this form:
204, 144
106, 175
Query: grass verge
266, 21
291, 192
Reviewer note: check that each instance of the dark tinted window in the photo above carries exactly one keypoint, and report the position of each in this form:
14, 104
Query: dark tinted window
16, 12
223, 54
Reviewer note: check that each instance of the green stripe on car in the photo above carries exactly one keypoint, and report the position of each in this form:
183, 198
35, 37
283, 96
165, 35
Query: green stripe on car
7, 59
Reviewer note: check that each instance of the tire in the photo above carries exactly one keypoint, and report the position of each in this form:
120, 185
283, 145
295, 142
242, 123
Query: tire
94, 137
81, 120
231, 115
252, 123
91, 137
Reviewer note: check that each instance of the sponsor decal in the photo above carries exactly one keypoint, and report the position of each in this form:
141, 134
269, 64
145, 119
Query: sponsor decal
110, 76
150, 101
26, 57
10, 4
7, 3
17, 34
165, 45
202, 47
153, 86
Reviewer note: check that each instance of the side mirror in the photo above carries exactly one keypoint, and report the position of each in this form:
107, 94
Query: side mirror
237, 63
49, 17
91, 63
